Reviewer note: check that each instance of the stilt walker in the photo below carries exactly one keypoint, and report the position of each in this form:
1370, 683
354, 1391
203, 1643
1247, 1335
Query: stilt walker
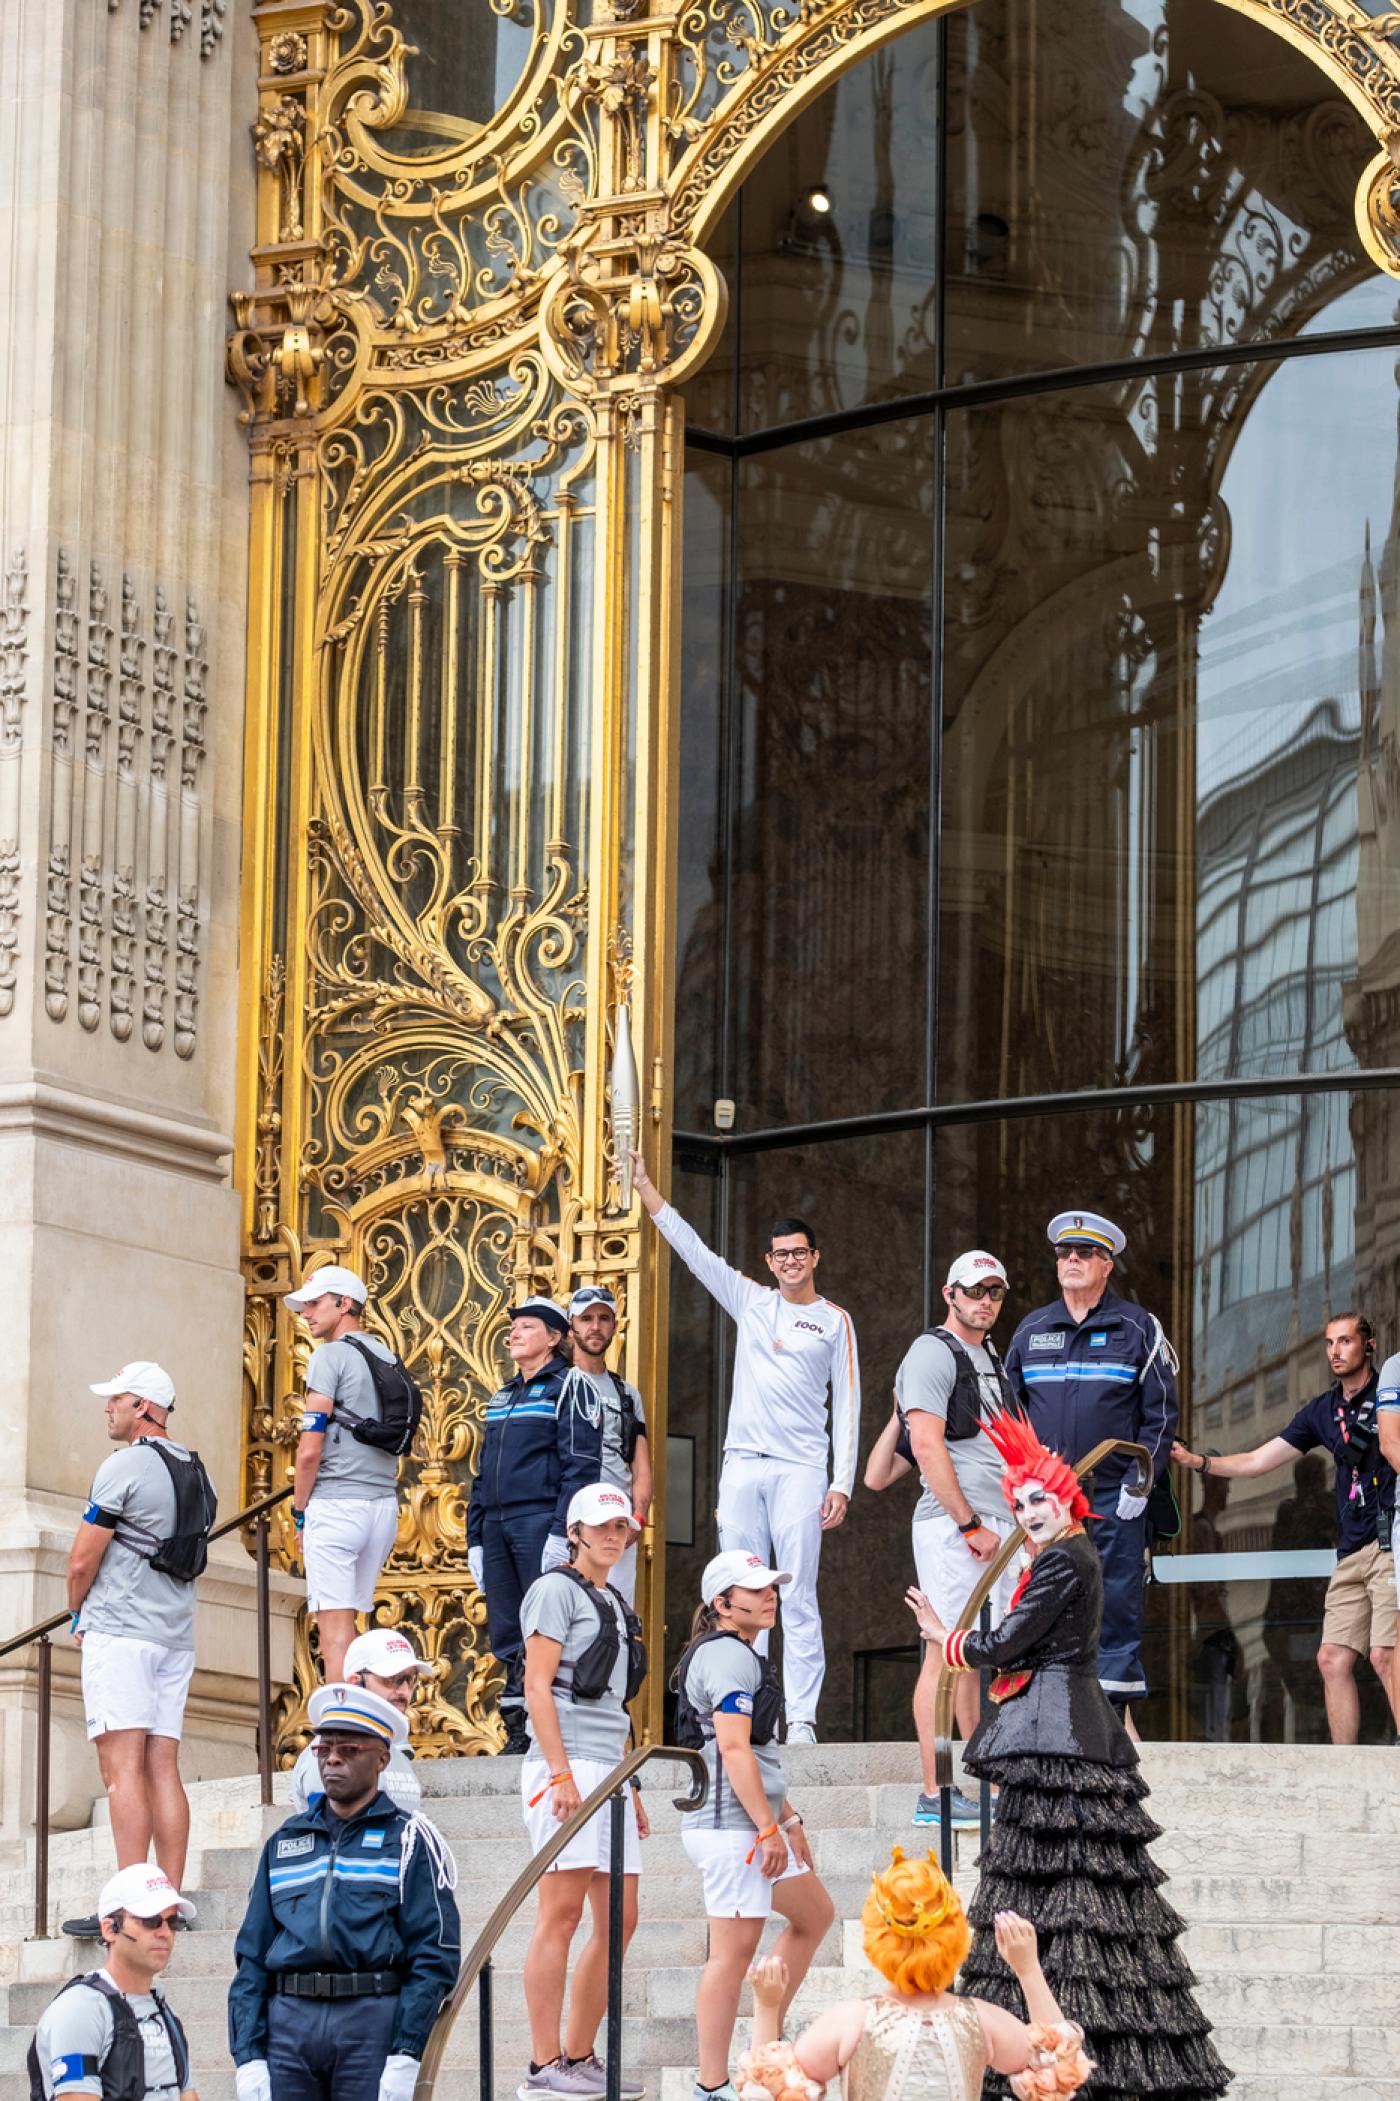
1068, 1850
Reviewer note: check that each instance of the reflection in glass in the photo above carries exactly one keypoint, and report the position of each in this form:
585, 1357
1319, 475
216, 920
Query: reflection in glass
467, 58
1130, 180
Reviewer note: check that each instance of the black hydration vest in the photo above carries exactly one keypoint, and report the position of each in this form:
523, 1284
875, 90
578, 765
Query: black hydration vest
185, 1554
965, 1401
400, 1399
588, 1678
694, 1730
123, 2070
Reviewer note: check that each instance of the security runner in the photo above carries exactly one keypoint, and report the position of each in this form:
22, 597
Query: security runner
543, 1443
351, 1939
623, 1420
111, 2032
1087, 1367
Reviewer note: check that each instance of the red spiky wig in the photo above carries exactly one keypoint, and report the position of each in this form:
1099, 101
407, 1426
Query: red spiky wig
1028, 1460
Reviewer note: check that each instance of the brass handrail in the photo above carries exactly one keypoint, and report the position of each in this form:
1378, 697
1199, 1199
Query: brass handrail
479, 1955
982, 1590
230, 1524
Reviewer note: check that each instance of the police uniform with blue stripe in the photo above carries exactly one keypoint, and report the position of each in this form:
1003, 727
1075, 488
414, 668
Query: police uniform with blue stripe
1111, 1374
543, 1442
351, 1940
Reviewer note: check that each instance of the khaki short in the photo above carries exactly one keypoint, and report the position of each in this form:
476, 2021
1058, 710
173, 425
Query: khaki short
1359, 1612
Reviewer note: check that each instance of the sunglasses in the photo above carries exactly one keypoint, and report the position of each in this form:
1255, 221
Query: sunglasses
164, 1918
982, 1291
1077, 1254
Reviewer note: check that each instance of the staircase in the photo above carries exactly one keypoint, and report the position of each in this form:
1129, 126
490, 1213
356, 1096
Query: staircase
1284, 1860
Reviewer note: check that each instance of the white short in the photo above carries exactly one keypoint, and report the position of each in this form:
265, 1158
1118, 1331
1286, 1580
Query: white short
344, 1546
591, 1848
130, 1684
735, 1887
948, 1572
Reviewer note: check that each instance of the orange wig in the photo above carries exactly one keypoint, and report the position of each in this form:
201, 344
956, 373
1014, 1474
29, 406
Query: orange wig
1028, 1460
913, 1925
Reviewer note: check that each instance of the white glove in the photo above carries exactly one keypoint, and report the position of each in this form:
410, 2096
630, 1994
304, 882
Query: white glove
398, 2078
556, 1551
253, 2082
1129, 1505
476, 1562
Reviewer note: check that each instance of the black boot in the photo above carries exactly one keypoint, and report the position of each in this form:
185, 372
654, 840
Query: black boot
517, 1741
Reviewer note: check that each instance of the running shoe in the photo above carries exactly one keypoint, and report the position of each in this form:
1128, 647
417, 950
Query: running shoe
801, 1733
83, 1929
570, 2082
631, 2089
714, 2093
966, 1816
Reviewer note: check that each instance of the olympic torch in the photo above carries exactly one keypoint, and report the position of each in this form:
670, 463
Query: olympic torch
626, 1097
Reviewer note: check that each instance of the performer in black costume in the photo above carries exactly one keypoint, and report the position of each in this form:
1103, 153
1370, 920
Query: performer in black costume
1068, 1849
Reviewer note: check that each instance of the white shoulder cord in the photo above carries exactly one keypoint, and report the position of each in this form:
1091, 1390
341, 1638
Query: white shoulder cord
1161, 1348
436, 1847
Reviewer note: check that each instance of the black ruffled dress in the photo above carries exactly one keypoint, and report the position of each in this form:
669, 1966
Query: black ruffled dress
1069, 1848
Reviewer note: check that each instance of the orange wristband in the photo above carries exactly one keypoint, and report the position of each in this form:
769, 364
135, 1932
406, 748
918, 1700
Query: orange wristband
769, 1833
553, 1781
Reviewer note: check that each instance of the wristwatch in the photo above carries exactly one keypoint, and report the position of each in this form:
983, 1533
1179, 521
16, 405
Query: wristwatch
974, 1524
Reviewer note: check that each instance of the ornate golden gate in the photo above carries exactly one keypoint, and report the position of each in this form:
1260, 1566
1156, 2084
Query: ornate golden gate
461, 363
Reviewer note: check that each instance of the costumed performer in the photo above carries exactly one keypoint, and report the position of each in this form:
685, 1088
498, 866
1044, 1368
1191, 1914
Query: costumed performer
919, 2041
1069, 1846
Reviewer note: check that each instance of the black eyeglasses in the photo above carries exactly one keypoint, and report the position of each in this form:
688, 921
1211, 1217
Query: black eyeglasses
981, 1291
788, 1254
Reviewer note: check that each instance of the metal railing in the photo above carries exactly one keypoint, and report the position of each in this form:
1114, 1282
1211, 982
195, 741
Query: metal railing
476, 1965
255, 1515
976, 1613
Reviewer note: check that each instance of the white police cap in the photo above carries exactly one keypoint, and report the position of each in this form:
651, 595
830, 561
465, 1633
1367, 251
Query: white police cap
1089, 1228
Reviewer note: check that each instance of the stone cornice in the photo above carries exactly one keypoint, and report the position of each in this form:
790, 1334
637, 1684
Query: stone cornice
111, 1127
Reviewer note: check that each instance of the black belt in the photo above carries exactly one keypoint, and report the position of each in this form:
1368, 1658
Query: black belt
337, 1984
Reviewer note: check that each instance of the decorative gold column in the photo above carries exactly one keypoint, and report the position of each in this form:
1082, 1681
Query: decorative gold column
460, 362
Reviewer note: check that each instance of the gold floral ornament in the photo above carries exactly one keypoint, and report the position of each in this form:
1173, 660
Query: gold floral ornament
279, 141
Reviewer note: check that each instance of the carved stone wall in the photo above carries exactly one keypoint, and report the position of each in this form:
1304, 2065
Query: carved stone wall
122, 583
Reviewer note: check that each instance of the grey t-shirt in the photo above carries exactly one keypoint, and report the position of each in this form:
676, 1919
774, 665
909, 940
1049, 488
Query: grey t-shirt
613, 1398
925, 1380
78, 2024
350, 1472
556, 1607
716, 1671
128, 1596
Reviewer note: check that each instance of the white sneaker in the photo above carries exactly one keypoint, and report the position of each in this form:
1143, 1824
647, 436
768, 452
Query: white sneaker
801, 1733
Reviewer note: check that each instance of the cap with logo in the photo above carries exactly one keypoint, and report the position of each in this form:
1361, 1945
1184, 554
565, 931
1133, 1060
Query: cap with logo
1086, 1229
385, 1652
598, 1504
342, 1283
976, 1267
348, 1710
143, 1891
737, 1570
538, 1307
144, 1379
591, 1295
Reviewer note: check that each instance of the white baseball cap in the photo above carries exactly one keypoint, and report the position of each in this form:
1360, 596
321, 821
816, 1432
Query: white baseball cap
591, 1295
353, 1711
598, 1504
145, 1891
737, 1570
143, 1378
976, 1267
343, 1282
386, 1652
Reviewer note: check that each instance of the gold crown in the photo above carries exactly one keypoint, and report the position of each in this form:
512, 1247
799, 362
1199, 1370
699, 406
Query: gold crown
928, 1916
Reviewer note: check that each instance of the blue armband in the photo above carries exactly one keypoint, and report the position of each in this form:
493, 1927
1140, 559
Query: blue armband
314, 1421
96, 1515
735, 1703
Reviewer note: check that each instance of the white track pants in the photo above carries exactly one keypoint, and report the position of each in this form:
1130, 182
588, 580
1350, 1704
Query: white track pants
773, 1508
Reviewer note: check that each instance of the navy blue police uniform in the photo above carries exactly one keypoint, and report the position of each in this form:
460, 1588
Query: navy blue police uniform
543, 1442
1108, 1375
350, 1943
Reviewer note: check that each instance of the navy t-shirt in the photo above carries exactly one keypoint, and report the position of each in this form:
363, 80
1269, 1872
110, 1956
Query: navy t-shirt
1359, 1496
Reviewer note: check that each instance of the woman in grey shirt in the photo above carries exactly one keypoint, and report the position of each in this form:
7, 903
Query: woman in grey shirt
583, 1662
747, 1839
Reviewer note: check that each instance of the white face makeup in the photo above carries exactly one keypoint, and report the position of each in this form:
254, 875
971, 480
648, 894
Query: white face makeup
1041, 1515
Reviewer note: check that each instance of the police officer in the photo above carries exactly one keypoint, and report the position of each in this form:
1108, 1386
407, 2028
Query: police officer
351, 1939
1088, 1366
543, 1441
385, 1662
111, 2031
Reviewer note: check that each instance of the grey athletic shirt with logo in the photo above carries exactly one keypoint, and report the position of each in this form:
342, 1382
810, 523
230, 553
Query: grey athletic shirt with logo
613, 1398
716, 1670
79, 2024
128, 1596
925, 1380
350, 1472
556, 1607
